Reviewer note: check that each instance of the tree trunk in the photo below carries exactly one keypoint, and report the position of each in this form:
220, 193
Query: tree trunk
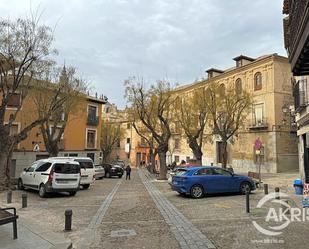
53, 149
196, 149
224, 154
5, 163
163, 168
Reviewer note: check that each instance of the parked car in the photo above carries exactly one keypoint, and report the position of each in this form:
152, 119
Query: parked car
51, 176
99, 171
113, 170
197, 181
119, 163
86, 169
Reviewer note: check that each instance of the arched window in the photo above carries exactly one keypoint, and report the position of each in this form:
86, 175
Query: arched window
258, 81
238, 86
222, 90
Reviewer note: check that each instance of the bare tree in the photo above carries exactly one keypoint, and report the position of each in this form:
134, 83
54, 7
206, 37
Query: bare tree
151, 143
191, 114
111, 134
71, 96
152, 108
24, 47
228, 109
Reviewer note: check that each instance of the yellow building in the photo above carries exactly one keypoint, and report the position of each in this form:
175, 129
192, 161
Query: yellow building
81, 136
268, 79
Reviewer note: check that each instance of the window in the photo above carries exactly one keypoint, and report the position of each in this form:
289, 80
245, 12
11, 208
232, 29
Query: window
91, 138
43, 167
66, 168
258, 81
239, 63
204, 172
258, 112
92, 111
128, 125
73, 155
177, 143
176, 159
128, 140
222, 90
238, 86
14, 101
118, 143
187, 159
91, 155
221, 172
32, 167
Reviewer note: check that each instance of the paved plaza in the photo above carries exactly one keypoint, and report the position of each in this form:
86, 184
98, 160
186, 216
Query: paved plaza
144, 213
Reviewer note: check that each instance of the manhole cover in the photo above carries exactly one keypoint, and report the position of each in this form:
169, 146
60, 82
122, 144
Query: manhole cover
123, 232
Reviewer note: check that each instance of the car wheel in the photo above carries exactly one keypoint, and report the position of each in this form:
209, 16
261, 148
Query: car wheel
20, 184
72, 193
86, 186
245, 187
42, 191
197, 191
108, 175
120, 176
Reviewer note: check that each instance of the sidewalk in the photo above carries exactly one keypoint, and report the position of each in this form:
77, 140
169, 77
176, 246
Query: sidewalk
30, 237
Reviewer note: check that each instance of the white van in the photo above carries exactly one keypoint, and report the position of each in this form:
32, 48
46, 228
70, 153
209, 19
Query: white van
87, 169
51, 176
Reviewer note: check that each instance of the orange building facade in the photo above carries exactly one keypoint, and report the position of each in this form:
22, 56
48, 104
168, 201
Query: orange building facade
81, 136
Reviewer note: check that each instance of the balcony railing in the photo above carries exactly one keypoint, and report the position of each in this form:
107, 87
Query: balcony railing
300, 95
259, 124
92, 120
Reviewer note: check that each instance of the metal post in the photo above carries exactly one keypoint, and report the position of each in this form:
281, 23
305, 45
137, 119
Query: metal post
24, 200
266, 189
68, 219
247, 202
9, 197
277, 190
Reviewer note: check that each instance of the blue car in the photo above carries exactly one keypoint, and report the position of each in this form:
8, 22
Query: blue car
197, 181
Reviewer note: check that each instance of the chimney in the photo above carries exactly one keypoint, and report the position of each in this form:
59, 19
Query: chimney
242, 60
213, 72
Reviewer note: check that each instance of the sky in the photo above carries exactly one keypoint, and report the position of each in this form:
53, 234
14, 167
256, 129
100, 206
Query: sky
109, 41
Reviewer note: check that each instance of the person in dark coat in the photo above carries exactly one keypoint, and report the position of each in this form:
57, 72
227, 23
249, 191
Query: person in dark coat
128, 172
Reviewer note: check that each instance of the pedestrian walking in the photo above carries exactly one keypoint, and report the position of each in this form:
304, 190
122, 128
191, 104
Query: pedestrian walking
128, 172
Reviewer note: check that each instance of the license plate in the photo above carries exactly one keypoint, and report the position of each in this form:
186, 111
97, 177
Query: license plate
63, 181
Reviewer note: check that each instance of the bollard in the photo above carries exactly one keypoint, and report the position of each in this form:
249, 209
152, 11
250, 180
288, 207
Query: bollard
24, 200
68, 219
266, 189
247, 202
277, 193
9, 197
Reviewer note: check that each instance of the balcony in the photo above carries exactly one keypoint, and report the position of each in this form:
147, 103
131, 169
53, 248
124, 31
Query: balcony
300, 95
92, 120
258, 124
296, 34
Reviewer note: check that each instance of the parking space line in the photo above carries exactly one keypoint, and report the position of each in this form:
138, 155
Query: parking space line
187, 235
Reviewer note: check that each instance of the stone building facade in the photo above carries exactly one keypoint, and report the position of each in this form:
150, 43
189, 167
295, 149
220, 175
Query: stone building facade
268, 79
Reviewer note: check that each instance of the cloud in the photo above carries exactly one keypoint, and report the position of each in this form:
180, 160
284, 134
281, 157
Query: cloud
110, 40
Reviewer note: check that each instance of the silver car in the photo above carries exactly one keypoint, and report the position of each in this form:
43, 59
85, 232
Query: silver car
99, 171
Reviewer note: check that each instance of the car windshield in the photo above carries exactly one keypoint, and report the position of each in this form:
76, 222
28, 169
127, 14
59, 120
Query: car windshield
66, 168
85, 164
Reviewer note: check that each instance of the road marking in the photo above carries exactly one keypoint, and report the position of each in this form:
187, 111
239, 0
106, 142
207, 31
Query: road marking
98, 217
187, 235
